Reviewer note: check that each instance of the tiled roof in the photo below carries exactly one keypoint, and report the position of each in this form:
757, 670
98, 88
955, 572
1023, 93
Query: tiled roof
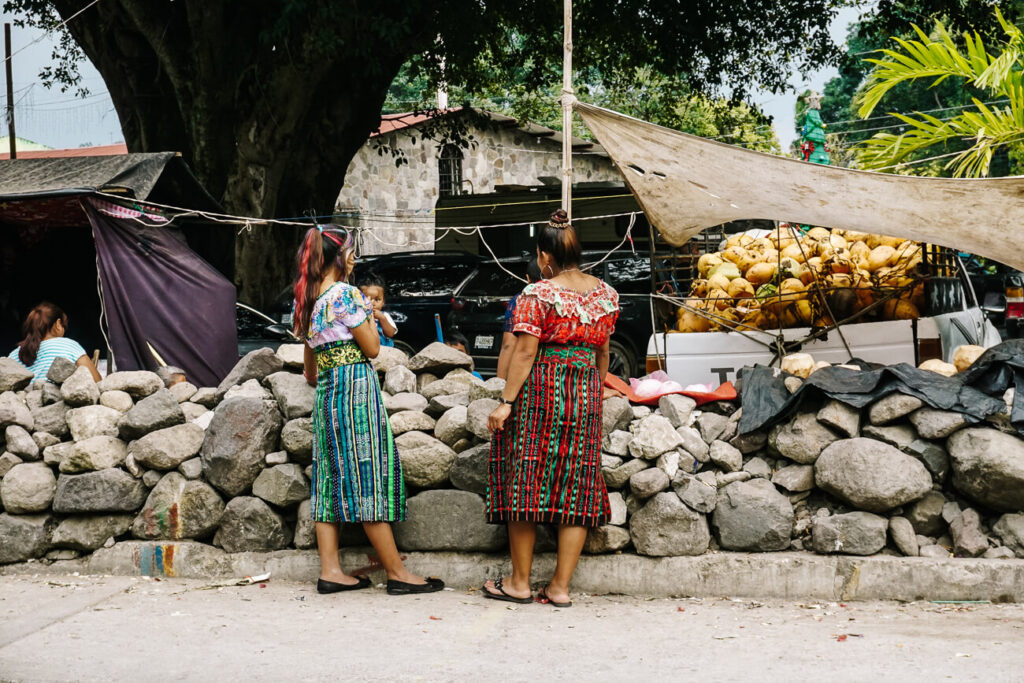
101, 151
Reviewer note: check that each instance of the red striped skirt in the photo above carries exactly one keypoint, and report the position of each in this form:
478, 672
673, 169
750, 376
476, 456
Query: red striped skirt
545, 465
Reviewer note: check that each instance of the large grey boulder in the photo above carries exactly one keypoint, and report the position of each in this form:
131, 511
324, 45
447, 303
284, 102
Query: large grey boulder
157, 411
469, 469
617, 477
988, 466
892, 407
605, 539
399, 380
179, 508
451, 426
14, 411
616, 413
238, 439
652, 436
297, 439
8, 461
903, 537
13, 375
726, 456
293, 393
249, 524
898, 435
206, 397
752, 516
447, 387
871, 475
80, 389
664, 526
802, 439
1010, 530
89, 532
305, 528
56, 454
439, 358
439, 405
90, 421
52, 419
118, 400
933, 456
282, 485
165, 449
255, 365
694, 444
937, 424
183, 391
28, 488
616, 443
250, 388
853, 533
411, 421
136, 383
24, 536
94, 453
677, 408
795, 478
19, 442
926, 515
426, 462
109, 490
647, 483
699, 495
399, 402
448, 520
292, 355
60, 370
476, 417
492, 388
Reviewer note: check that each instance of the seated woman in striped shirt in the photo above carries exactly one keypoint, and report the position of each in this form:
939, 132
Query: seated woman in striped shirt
44, 342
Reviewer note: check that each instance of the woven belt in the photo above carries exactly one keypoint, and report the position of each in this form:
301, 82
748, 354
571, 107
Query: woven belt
336, 354
568, 354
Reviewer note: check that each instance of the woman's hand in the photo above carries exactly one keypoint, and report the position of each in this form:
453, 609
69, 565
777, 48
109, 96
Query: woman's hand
496, 420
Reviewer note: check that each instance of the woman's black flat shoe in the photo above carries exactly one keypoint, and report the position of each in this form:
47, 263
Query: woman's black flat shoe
402, 588
332, 587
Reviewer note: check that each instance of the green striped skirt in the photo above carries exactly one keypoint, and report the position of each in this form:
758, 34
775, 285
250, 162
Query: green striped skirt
357, 476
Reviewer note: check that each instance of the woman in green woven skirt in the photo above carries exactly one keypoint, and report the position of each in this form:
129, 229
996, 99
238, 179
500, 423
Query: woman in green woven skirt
357, 475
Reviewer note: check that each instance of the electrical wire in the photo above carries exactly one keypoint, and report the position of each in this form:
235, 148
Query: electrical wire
50, 30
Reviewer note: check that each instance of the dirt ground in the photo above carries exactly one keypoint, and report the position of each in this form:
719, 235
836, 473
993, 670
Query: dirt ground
118, 628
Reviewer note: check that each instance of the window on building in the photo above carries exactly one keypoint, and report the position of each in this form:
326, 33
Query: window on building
449, 171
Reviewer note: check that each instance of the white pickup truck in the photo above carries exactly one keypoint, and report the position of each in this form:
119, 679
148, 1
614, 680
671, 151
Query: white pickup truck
715, 357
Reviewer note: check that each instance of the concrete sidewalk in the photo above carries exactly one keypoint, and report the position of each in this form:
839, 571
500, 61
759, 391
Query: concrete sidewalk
118, 628
795, 575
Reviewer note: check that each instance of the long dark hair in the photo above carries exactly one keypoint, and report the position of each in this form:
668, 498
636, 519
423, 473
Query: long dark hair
322, 247
36, 326
559, 239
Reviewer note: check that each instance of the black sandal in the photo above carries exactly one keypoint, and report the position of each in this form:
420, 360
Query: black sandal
502, 595
432, 585
323, 586
542, 598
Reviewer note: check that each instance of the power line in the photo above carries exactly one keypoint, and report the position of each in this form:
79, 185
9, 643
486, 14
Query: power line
51, 30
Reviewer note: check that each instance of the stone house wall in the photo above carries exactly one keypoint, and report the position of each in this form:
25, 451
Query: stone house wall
395, 200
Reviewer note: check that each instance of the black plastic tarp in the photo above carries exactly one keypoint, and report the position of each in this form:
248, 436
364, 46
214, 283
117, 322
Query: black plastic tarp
159, 294
766, 400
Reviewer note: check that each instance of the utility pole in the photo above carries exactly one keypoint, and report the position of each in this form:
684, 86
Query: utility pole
10, 90
567, 101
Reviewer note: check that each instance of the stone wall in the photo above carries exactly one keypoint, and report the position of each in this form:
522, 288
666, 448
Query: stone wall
405, 195
88, 465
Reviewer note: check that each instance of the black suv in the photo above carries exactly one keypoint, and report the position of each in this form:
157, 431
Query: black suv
478, 308
419, 284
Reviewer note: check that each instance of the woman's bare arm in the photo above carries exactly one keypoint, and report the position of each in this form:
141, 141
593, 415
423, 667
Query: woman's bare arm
602, 361
508, 343
86, 362
309, 364
365, 335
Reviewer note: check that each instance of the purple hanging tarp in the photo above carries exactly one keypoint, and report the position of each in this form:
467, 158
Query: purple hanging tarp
157, 292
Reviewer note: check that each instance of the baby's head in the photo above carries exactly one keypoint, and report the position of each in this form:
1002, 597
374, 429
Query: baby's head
457, 340
372, 287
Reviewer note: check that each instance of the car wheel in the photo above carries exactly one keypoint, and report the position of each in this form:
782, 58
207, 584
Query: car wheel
402, 346
621, 361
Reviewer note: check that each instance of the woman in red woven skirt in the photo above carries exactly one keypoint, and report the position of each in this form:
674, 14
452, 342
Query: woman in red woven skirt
546, 452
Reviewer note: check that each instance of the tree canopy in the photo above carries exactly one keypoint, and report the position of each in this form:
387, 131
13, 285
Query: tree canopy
269, 100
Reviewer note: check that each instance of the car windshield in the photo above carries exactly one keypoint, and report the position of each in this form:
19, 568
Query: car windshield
491, 280
630, 276
412, 279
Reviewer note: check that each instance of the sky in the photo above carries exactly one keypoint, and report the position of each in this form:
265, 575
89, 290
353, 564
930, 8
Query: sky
62, 120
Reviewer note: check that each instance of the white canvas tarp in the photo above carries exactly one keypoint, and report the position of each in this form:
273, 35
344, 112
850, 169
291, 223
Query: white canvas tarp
686, 183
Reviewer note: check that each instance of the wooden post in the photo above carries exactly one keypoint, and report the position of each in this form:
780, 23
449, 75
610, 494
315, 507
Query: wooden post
10, 90
567, 101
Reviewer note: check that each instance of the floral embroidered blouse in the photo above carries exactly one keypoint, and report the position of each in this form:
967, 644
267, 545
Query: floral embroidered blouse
557, 315
335, 312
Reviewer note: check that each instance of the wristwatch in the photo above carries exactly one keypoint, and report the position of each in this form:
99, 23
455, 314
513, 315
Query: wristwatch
504, 401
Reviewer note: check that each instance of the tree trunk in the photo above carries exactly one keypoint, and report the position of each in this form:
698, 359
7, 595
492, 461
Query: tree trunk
268, 123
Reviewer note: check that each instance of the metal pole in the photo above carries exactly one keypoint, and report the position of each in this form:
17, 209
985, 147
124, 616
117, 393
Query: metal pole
567, 101
10, 90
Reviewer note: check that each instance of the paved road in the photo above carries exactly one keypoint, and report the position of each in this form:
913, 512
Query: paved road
90, 628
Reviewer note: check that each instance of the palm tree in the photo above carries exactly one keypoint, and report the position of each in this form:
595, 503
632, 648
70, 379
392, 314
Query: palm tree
987, 127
